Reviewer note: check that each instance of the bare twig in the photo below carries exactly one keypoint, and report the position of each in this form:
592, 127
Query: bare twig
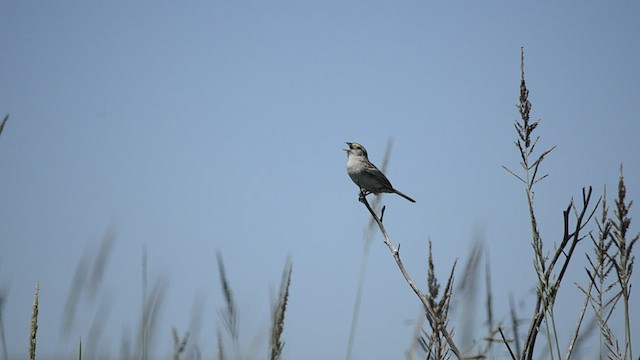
368, 239
431, 314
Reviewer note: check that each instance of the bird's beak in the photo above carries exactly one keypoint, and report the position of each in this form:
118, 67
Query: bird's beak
349, 146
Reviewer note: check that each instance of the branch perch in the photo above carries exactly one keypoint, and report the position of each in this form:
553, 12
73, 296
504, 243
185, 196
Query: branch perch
431, 314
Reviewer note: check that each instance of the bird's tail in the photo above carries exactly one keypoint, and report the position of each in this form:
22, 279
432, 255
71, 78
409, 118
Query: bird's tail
403, 195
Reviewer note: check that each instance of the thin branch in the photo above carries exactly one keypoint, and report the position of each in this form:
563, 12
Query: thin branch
368, 239
431, 314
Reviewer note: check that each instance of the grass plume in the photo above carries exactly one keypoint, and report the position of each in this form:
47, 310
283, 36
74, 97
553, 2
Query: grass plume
230, 313
277, 326
549, 267
623, 262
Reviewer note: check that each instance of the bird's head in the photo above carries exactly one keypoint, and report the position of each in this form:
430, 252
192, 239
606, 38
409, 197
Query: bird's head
356, 149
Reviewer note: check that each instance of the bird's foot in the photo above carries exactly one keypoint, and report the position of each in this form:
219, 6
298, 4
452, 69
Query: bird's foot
362, 195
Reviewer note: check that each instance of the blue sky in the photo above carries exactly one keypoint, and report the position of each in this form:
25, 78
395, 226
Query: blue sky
195, 127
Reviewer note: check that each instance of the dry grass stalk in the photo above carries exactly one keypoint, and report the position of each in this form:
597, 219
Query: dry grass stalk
34, 324
623, 259
506, 342
612, 252
471, 273
583, 339
275, 344
599, 268
549, 281
125, 345
229, 314
466, 291
467, 294
221, 352
432, 316
514, 323
151, 312
4, 121
85, 287
152, 301
417, 339
179, 344
97, 327
576, 332
437, 341
491, 330
195, 325
100, 262
73, 297
3, 339
549, 278
145, 313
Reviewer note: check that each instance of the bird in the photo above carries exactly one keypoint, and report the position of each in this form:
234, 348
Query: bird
366, 175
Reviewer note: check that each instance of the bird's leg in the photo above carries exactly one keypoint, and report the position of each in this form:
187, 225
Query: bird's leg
363, 193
